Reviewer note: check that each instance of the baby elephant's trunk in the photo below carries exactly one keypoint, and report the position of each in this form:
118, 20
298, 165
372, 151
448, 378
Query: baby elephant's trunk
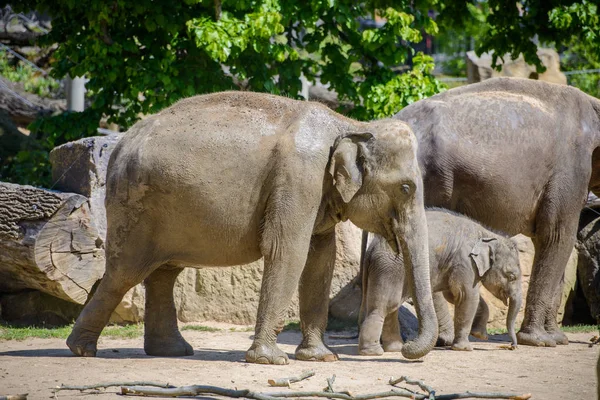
514, 306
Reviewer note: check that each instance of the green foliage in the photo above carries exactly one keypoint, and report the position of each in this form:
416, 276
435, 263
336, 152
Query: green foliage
579, 56
200, 328
142, 56
384, 100
8, 332
31, 166
33, 81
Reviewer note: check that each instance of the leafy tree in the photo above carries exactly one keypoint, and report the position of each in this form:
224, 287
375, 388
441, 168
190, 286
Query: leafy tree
141, 56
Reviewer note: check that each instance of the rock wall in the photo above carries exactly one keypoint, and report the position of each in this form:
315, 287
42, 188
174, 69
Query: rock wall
480, 68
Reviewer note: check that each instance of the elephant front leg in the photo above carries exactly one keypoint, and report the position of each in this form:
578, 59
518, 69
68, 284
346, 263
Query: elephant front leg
161, 335
285, 251
314, 289
466, 307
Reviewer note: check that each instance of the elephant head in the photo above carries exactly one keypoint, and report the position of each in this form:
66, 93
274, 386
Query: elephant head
497, 261
377, 177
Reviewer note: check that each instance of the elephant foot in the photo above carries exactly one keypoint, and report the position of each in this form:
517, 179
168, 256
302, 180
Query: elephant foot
539, 338
444, 340
266, 354
479, 334
374, 350
167, 346
393, 346
462, 345
558, 336
315, 353
82, 342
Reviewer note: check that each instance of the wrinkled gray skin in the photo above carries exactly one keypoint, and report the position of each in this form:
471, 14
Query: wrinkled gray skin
462, 254
227, 178
518, 156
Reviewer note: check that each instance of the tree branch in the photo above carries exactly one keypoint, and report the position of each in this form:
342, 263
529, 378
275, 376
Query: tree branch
112, 384
285, 382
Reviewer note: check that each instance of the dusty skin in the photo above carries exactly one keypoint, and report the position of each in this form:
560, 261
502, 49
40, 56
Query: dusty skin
566, 372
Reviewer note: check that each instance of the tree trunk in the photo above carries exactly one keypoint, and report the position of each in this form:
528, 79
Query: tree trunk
23, 107
48, 243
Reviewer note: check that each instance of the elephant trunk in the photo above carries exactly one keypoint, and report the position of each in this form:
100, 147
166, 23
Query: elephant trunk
514, 306
415, 251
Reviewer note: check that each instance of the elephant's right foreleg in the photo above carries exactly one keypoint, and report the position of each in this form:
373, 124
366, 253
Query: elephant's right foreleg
161, 335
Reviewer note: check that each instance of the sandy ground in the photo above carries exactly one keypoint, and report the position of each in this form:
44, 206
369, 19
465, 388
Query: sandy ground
35, 366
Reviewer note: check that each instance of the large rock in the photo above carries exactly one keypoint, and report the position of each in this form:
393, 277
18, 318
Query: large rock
80, 167
589, 265
480, 68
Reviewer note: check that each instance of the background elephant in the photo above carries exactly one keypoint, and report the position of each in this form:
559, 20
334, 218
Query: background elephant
226, 178
462, 254
520, 156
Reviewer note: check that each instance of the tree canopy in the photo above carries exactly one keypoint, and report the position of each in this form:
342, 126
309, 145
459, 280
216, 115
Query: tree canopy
141, 56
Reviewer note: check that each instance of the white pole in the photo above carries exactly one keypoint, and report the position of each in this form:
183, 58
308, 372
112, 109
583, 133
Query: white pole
75, 93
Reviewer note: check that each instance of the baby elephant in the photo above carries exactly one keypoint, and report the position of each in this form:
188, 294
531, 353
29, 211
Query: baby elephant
462, 253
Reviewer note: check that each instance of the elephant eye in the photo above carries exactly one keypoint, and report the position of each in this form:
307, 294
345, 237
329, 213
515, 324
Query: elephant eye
512, 277
407, 188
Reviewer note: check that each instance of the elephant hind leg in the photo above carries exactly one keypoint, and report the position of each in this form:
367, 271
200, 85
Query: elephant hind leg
117, 280
479, 327
161, 335
554, 240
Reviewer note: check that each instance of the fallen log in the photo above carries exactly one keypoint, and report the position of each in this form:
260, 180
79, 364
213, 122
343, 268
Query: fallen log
48, 242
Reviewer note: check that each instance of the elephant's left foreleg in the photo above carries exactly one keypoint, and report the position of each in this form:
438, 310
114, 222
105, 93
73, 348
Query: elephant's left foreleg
314, 289
285, 244
161, 336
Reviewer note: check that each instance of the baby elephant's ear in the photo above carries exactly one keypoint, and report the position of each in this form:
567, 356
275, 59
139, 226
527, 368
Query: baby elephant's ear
481, 255
345, 166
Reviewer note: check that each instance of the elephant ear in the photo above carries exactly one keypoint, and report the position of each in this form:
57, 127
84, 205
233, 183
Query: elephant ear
346, 166
481, 255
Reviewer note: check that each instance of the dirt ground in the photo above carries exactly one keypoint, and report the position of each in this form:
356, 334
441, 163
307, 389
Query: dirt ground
35, 366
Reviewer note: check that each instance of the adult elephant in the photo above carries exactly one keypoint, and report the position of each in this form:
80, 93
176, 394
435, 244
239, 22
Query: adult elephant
227, 178
519, 156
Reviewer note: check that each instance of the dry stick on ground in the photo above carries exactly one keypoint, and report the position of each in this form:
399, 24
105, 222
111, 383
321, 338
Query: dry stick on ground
167, 390
287, 381
111, 384
421, 384
196, 390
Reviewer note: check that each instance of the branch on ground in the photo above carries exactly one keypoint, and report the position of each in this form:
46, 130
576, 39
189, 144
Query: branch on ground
285, 382
154, 389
